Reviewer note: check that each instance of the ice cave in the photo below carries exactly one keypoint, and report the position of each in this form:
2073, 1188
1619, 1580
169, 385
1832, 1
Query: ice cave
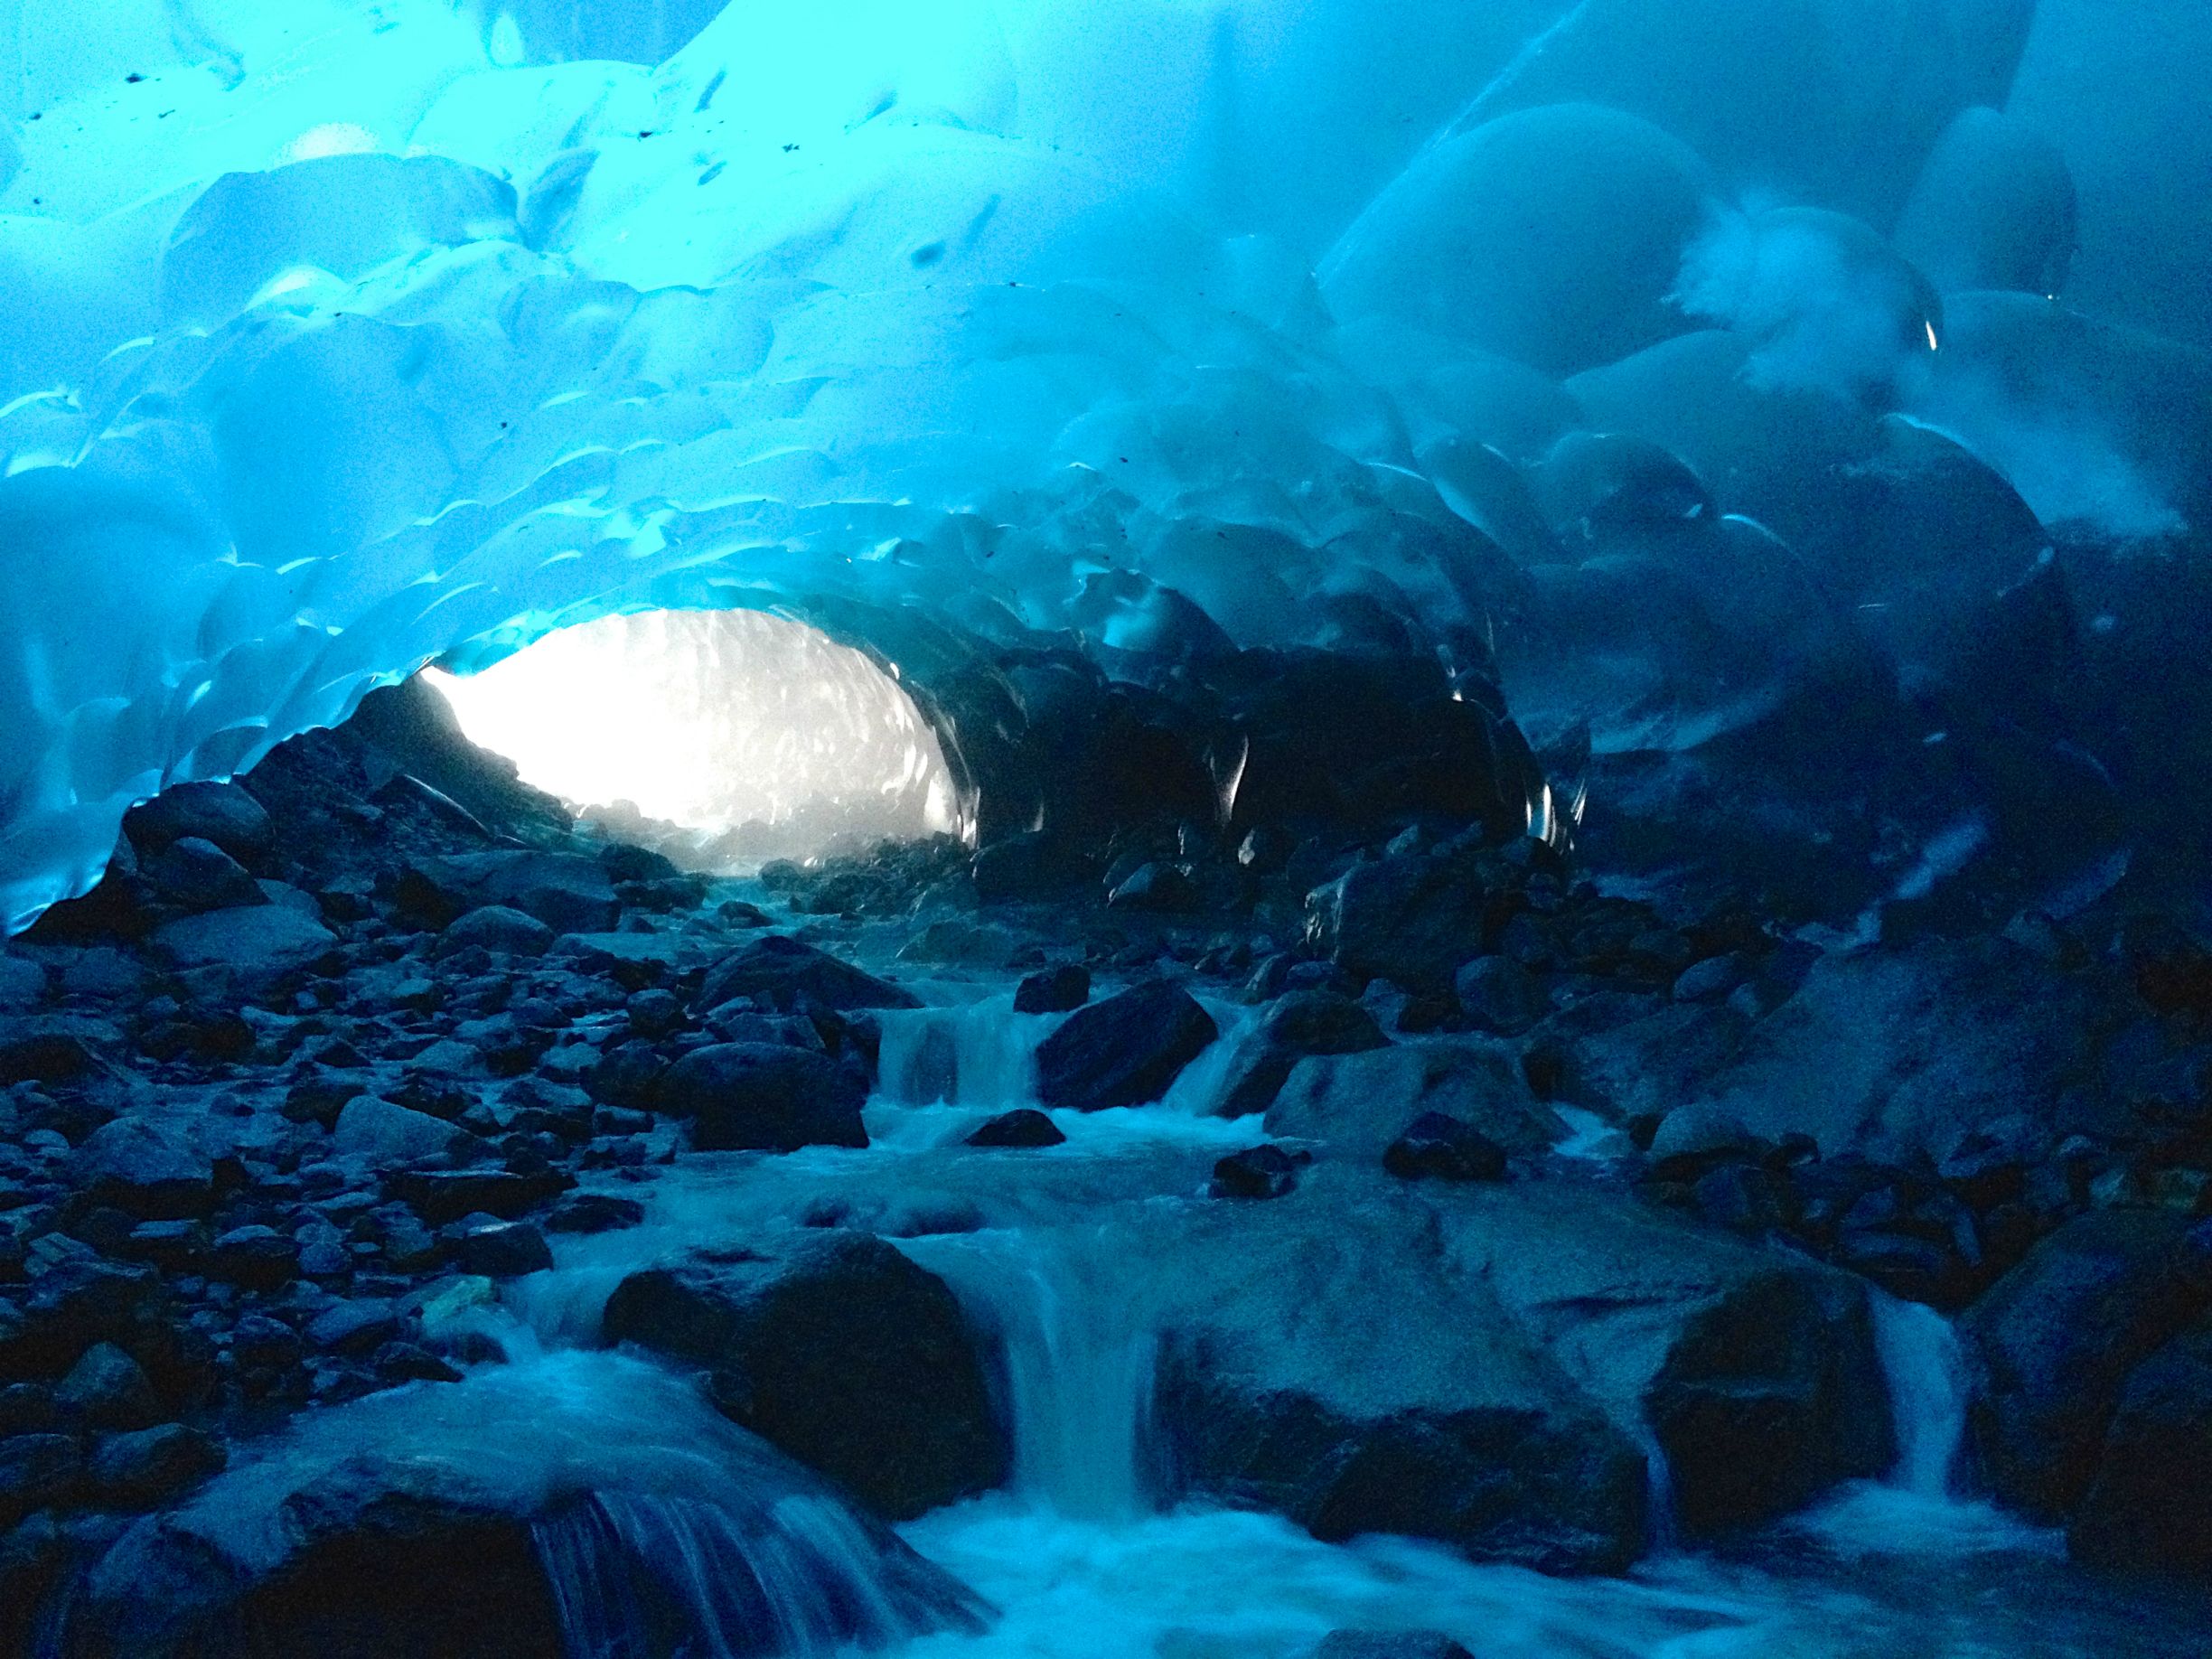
1149, 829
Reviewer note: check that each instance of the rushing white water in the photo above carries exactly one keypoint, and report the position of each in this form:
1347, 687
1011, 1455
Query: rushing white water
980, 1055
1925, 1371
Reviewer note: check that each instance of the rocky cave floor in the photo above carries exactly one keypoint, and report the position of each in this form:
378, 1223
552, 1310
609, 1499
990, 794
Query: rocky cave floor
330, 1060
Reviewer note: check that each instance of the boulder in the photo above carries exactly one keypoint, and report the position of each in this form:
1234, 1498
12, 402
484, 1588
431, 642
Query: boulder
196, 875
444, 1195
1356, 1105
2149, 1506
497, 1248
786, 975
1414, 920
256, 941
496, 927
225, 814
1308, 1022
146, 1167
2056, 1340
568, 893
53, 1047
1125, 1051
386, 1133
1497, 994
107, 1389
593, 1213
1445, 1150
36, 1470
1258, 1172
1024, 1126
765, 1097
1055, 990
839, 1351
147, 1469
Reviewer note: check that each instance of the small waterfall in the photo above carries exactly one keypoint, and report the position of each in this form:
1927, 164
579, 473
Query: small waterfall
635, 1575
1926, 1372
1079, 1352
980, 1055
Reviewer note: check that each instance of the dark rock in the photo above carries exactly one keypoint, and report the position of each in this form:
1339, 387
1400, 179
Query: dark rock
33, 1557
255, 1257
444, 1195
1125, 1051
1307, 1022
654, 1013
386, 1133
2056, 1339
152, 1467
107, 1389
1709, 980
783, 974
1693, 1139
1415, 920
36, 1470
51, 1048
2147, 1508
1258, 1172
1358, 1104
566, 891
496, 927
355, 1327
1743, 1197
1388, 1644
1055, 990
1498, 994
26, 1407
842, 1351
257, 943
1165, 888
195, 874
406, 1362
593, 1213
768, 1097
1024, 1126
225, 814
146, 1167
261, 1343
1444, 1148
500, 1249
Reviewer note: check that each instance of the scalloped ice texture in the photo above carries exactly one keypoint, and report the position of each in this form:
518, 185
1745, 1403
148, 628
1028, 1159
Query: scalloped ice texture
345, 336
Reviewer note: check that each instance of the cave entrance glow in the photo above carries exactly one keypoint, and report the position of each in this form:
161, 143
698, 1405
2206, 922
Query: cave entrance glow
723, 738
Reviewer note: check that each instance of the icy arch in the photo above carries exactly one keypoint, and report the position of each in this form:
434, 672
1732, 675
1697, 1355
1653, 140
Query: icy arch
723, 738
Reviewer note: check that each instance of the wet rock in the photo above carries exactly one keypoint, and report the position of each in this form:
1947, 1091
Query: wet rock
1024, 1126
194, 874
499, 1250
254, 1257
399, 1361
444, 1195
1163, 888
1308, 1022
1444, 1148
593, 1213
783, 974
568, 893
225, 814
1624, 1054
107, 1389
386, 1133
53, 1048
496, 927
1414, 920
36, 1470
146, 1167
1358, 1104
839, 1351
1125, 1051
654, 1013
1388, 1644
355, 1327
2146, 1507
1694, 1139
1258, 1172
2056, 1339
767, 1097
1499, 995
257, 943
1055, 990
145, 1470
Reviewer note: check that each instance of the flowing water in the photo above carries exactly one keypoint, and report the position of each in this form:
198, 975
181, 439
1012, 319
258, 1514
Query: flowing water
1078, 1559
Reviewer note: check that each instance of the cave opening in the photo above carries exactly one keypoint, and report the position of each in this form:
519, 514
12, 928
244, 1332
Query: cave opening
723, 739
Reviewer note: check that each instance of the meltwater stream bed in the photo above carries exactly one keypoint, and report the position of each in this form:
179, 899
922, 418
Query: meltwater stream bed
1079, 1558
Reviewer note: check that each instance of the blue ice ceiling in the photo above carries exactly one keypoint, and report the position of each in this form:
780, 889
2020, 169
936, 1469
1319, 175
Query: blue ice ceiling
338, 336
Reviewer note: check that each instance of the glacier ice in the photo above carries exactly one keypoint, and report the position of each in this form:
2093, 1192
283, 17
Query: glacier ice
345, 336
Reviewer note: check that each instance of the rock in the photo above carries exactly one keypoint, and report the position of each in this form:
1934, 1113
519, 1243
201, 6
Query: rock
1125, 1051
1388, 1644
1709, 980
1279, 1386
2148, 1507
1445, 1149
566, 891
225, 814
398, 1361
146, 1167
1358, 1104
355, 1327
22, 982
107, 1389
842, 1351
766, 1097
1055, 990
53, 1048
196, 875
444, 1195
1415, 920
1024, 1126
1308, 1022
783, 974
255, 1257
593, 1213
1499, 995
259, 941
1165, 888
1624, 1055
496, 927
386, 1133
1691, 1140
2056, 1339
152, 1467
36, 1470
654, 1014
500, 1249
1259, 1172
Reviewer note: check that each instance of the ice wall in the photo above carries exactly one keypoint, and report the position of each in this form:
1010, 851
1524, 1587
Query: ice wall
342, 336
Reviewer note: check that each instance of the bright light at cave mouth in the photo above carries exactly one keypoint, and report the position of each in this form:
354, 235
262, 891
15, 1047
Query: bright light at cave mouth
723, 738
